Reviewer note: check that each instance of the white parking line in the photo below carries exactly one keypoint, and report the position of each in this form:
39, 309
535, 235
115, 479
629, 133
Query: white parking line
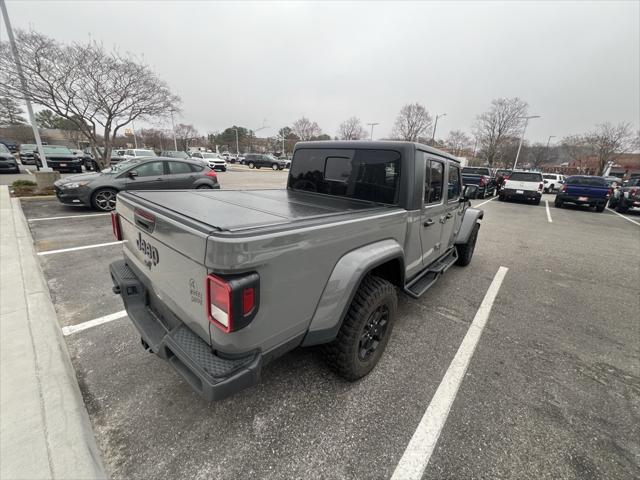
620, 215
416, 457
73, 249
66, 331
486, 201
68, 216
546, 204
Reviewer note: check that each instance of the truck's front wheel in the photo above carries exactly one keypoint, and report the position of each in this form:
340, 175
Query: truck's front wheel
365, 331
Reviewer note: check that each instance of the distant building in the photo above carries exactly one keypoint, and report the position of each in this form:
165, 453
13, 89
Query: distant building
624, 165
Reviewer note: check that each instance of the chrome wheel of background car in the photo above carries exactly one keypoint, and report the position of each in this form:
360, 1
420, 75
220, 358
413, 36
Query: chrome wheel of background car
274, 166
251, 165
105, 200
373, 333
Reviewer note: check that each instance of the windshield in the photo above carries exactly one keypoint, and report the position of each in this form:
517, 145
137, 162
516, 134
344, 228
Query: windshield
3, 148
56, 150
144, 153
589, 181
120, 167
526, 176
175, 154
371, 175
476, 171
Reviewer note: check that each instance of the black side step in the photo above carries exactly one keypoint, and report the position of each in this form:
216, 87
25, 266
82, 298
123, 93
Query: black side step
425, 279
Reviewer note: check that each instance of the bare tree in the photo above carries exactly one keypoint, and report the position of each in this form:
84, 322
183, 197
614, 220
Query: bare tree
539, 155
92, 88
412, 121
607, 141
305, 129
577, 150
351, 129
457, 141
11, 112
185, 135
502, 120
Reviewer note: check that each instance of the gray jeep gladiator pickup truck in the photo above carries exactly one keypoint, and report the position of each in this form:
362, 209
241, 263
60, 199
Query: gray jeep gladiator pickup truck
220, 282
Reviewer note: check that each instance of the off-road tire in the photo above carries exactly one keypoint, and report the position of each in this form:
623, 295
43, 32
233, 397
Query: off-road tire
465, 250
343, 354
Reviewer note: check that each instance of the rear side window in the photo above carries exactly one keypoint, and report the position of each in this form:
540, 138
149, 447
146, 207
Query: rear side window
196, 168
526, 177
150, 169
178, 167
588, 181
433, 181
372, 175
549, 177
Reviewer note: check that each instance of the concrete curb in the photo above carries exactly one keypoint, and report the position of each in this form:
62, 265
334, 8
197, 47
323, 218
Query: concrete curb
36, 197
45, 430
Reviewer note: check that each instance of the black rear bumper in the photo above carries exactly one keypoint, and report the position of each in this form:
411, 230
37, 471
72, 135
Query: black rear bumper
512, 194
212, 376
595, 201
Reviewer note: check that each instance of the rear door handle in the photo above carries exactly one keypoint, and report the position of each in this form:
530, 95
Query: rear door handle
428, 223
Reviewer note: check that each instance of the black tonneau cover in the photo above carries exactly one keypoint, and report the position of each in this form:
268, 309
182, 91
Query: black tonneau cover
238, 210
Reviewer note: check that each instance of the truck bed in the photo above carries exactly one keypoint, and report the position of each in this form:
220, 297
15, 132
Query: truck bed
241, 211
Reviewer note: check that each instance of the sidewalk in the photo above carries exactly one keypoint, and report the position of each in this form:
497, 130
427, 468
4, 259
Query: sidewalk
45, 430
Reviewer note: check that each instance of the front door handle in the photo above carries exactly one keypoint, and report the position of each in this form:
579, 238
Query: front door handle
428, 223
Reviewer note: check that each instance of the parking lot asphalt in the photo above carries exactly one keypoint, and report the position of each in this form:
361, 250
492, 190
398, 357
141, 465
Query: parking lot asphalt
552, 391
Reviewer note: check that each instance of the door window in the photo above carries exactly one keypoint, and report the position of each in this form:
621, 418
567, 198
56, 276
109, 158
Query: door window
455, 185
150, 169
433, 181
179, 167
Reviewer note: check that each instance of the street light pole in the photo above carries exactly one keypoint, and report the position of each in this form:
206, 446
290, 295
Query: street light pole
237, 144
526, 122
173, 127
133, 129
373, 124
550, 137
435, 125
16, 58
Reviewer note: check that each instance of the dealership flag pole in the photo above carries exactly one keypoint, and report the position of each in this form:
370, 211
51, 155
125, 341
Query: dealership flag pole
16, 58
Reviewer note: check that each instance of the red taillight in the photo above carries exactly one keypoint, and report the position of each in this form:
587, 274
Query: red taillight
211, 174
609, 192
219, 303
633, 192
232, 302
541, 186
564, 188
506, 177
115, 226
482, 182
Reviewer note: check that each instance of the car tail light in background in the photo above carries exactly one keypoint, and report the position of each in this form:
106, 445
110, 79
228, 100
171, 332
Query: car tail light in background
211, 174
609, 192
541, 186
115, 226
482, 182
564, 188
232, 301
633, 192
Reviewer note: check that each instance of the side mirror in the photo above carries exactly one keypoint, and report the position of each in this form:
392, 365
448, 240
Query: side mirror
469, 192
133, 174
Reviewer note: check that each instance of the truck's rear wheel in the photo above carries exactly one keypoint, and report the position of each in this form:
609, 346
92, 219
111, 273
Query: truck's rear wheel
365, 331
465, 250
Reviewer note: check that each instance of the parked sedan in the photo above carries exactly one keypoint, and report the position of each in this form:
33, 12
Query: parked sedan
60, 158
8, 163
99, 190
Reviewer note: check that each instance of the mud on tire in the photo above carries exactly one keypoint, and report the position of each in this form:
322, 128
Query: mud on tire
365, 331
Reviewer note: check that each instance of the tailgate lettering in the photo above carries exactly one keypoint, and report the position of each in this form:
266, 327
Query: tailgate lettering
148, 250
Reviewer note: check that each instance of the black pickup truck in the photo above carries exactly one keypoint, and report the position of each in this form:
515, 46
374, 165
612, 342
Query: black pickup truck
482, 177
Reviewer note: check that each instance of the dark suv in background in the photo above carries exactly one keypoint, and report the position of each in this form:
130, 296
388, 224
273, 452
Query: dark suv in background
257, 160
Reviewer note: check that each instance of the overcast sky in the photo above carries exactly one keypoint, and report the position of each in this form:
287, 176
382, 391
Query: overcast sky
576, 63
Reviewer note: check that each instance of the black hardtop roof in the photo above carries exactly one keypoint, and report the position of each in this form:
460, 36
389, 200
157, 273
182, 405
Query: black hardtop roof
404, 147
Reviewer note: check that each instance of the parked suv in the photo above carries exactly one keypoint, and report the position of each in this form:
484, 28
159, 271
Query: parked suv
257, 160
60, 158
8, 163
26, 153
212, 160
523, 186
99, 190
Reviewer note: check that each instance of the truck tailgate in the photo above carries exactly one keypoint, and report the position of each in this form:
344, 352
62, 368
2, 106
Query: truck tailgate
586, 191
170, 255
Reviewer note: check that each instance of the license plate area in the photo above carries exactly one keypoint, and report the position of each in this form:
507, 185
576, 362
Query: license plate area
583, 199
63, 164
519, 192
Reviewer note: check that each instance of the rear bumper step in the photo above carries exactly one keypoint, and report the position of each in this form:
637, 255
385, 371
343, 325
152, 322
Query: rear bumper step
212, 376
